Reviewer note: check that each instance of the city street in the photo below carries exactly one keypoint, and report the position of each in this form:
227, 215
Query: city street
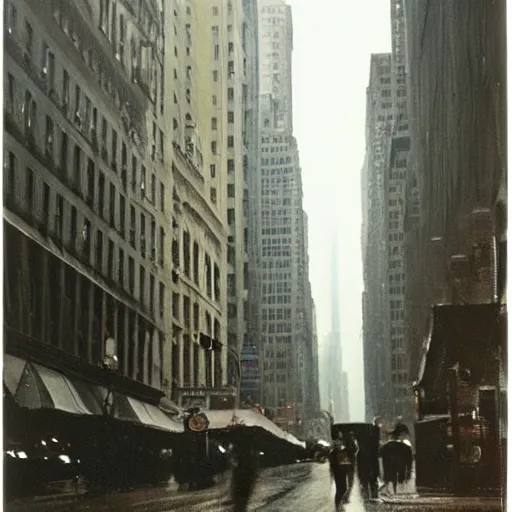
303, 487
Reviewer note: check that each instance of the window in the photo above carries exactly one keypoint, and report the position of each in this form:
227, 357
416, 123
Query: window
142, 285
214, 99
132, 226
161, 247
231, 141
73, 227
231, 93
134, 174
77, 167
46, 204
231, 165
12, 16
231, 68
142, 181
122, 215
212, 170
114, 150
49, 138
10, 93
214, 147
215, 31
231, 190
153, 189
110, 262
59, 216
99, 251
215, 76
112, 205
30, 188
231, 47
29, 41
186, 253
90, 182
161, 299
101, 195
213, 195
131, 275
143, 235
231, 117
152, 293
214, 123
215, 10
153, 240
78, 97
104, 135
216, 52
162, 197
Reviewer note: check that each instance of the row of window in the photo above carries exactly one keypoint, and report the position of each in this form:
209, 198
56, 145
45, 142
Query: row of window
69, 311
32, 123
74, 229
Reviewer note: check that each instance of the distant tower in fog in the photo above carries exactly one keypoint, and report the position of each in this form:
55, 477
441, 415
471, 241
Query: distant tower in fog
338, 379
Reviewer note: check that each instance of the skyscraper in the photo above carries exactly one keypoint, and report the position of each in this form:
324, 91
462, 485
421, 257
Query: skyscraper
286, 305
379, 117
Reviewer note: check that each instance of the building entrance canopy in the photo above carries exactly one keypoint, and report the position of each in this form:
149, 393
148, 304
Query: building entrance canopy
226, 419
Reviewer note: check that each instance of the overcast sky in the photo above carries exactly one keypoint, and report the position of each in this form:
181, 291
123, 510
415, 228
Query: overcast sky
333, 40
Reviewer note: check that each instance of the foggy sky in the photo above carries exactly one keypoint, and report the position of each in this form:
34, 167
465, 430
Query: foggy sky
333, 40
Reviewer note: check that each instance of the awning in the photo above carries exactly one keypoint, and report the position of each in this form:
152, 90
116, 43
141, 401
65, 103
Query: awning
152, 416
223, 419
36, 387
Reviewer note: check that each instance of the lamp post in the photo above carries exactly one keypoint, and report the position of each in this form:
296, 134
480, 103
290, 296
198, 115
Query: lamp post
239, 375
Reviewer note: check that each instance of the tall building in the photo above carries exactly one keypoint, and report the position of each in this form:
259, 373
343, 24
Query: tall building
389, 180
286, 305
196, 132
396, 191
456, 199
251, 371
379, 118
86, 188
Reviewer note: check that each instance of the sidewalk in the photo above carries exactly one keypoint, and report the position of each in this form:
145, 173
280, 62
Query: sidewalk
466, 504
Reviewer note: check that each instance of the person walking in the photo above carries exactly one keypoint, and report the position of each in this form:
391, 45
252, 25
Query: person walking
340, 466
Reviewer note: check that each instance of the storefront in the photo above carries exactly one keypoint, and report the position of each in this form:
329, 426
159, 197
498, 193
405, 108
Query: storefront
64, 418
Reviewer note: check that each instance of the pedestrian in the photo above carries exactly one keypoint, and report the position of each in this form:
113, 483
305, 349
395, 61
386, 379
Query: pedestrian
368, 464
401, 430
340, 467
397, 462
352, 447
245, 473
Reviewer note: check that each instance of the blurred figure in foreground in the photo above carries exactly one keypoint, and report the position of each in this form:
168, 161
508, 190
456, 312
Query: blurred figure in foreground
245, 473
341, 467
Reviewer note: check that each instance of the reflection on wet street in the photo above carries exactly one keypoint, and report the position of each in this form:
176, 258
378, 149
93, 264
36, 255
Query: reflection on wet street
305, 487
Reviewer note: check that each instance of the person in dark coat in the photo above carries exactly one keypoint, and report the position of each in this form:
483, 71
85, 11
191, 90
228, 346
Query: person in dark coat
340, 466
352, 447
401, 430
368, 464
397, 462
245, 472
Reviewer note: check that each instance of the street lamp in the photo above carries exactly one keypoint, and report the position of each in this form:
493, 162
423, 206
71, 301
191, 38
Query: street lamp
239, 375
209, 345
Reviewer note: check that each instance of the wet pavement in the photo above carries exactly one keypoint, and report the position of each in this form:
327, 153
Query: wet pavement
302, 487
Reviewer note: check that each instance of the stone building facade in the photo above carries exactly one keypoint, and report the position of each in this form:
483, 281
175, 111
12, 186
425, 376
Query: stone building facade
86, 197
